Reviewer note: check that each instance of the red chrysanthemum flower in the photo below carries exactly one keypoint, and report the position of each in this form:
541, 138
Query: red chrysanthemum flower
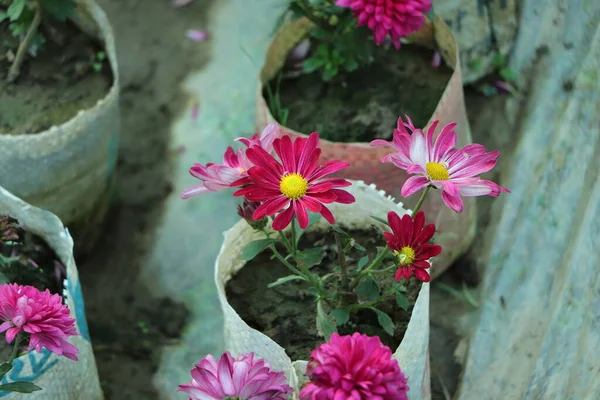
408, 241
396, 18
356, 367
295, 184
40, 315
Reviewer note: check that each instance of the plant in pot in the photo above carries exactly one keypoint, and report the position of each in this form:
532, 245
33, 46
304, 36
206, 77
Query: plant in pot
45, 343
347, 69
337, 256
59, 116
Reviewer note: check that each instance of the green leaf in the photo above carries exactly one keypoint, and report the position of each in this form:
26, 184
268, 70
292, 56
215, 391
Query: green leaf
21, 387
286, 279
283, 116
59, 9
499, 60
340, 315
383, 221
312, 64
362, 262
325, 326
3, 15
310, 257
385, 321
359, 247
15, 9
368, 289
402, 301
330, 73
508, 74
351, 65
340, 230
318, 33
4, 368
254, 248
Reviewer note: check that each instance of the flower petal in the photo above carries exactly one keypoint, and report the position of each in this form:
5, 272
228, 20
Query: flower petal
422, 275
283, 219
326, 213
418, 149
413, 185
270, 207
301, 214
343, 197
454, 203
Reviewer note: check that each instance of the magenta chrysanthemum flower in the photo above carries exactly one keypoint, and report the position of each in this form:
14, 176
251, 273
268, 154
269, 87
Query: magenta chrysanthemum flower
440, 164
396, 18
295, 184
217, 177
244, 378
408, 240
353, 367
41, 315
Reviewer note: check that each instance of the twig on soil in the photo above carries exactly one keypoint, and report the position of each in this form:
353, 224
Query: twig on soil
15, 68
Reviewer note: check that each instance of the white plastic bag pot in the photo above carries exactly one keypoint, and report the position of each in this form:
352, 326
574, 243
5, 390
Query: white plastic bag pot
67, 169
413, 352
59, 377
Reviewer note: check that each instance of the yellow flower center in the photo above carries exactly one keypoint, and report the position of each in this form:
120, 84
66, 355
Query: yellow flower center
293, 186
437, 171
406, 255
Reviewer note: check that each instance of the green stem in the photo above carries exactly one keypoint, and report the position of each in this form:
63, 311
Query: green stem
15, 68
285, 262
285, 241
15, 349
365, 271
421, 200
294, 244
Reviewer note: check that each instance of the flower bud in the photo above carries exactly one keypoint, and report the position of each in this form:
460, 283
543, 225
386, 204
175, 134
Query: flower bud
246, 210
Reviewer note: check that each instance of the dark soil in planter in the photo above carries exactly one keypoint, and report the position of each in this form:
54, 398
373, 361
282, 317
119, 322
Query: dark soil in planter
365, 104
55, 84
286, 313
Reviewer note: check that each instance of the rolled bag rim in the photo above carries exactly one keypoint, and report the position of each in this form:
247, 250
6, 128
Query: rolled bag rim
44, 365
432, 32
412, 354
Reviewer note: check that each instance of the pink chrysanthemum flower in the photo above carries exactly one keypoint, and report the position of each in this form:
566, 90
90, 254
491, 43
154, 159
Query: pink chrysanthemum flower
244, 378
41, 315
396, 18
440, 164
354, 367
408, 240
217, 177
295, 184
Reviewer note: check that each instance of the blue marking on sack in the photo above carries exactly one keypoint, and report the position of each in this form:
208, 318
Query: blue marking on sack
40, 364
77, 296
